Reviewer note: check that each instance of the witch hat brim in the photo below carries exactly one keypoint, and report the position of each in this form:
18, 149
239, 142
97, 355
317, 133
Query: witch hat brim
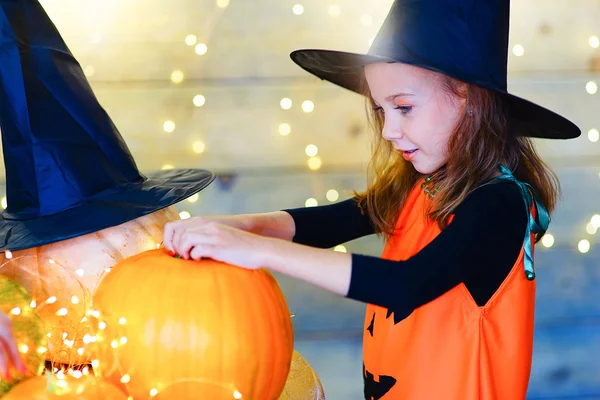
68, 170
159, 190
466, 40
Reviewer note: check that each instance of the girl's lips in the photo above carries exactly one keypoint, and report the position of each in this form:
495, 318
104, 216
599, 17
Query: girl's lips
409, 154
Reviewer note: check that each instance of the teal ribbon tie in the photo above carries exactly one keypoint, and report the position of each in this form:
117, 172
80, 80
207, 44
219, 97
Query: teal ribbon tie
533, 226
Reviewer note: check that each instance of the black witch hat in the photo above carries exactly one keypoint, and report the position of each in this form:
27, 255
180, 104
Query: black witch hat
68, 170
464, 39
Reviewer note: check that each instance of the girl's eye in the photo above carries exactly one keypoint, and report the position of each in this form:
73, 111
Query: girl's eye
403, 109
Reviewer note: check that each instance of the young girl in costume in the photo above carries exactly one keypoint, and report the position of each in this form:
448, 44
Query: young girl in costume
457, 191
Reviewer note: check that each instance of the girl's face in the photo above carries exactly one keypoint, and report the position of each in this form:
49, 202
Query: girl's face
419, 114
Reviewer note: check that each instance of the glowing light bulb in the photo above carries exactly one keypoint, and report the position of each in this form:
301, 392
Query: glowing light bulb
8, 254
185, 215
167, 166
591, 87
15, 311
74, 299
340, 249
311, 150
153, 392
190, 40
332, 195
591, 228
80, 272
298, 9
548, 240
125, 378
314, 163
308, 106
102, 325
4, 203
177, 77
237, 395
593, 135
194, 198
286, 103
201, 49
199, 100
62, 312
285, 129
123, 340
51, 300
222, 3
518, 50
594, 41
584, 246
23, 348
42, 350
77, 374
596, 220
95, 363
169, 126
89, 71
198, 147
311, 202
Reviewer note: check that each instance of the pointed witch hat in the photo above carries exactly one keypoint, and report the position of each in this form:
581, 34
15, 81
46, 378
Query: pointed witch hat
68, 170
464, 39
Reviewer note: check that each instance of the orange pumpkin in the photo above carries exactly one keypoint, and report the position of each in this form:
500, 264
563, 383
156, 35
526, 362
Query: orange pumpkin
174, 328
50, 388
68, 273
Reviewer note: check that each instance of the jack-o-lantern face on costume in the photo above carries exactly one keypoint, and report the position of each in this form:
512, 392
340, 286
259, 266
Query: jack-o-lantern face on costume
377, 331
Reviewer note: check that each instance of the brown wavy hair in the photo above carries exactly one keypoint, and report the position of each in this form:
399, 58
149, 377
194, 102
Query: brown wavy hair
478, 144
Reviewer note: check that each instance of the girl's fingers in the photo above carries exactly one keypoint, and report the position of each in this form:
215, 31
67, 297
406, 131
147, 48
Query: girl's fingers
168, 235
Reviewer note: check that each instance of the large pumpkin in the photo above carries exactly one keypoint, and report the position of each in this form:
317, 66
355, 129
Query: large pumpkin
48, 387
174, 328
63, 276
27, 328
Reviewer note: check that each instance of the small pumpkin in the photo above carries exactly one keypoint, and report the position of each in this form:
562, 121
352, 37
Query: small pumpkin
49, 387
27, 329
173, 328
68, 273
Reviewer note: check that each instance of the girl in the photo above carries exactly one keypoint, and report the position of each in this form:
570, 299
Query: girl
457, 190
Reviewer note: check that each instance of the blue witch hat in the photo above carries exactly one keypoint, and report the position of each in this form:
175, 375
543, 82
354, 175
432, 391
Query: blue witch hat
68, 170
464, 39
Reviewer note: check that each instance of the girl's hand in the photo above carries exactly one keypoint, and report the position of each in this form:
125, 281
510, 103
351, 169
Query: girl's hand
199, 238
10, 360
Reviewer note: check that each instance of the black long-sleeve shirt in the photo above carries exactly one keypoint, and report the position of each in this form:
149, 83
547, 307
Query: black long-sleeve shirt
478, 248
